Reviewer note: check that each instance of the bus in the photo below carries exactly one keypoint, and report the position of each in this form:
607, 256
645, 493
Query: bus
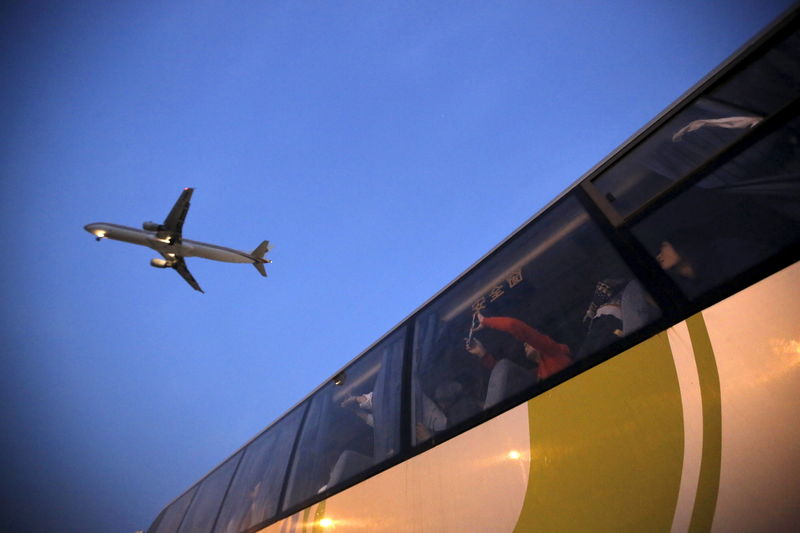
628, 359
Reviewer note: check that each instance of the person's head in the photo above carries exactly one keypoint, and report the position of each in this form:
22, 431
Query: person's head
667, 256
447, 393
679, 253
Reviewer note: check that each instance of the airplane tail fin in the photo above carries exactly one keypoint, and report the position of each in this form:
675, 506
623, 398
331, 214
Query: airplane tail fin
258, 254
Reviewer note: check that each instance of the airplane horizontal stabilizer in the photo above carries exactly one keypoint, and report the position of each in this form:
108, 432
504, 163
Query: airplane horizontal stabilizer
261, 269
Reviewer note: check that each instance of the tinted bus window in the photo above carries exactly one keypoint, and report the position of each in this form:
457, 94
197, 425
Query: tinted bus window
556, 293
687, 141
171, 516
767, 84
352, 423
707, 126
254, 492
739, 215
205, 506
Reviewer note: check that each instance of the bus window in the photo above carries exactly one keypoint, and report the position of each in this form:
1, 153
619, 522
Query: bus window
672, 152
352, 423
210, 491
555, 293
253, 495
710, 124
171, 517
767, 84
741, 214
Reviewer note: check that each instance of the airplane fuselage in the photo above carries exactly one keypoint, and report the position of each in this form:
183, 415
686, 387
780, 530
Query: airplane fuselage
186, 248
167, 239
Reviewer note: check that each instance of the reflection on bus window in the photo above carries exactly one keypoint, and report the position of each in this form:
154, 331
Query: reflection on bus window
739, 215
253, 495
691, 138
203, 510
710, 124
171, 517
352, 423
556, 293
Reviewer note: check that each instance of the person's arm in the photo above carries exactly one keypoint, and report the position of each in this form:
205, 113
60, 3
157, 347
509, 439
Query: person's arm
525, 333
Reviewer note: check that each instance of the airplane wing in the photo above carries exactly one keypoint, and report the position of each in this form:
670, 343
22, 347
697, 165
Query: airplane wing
173, 224
180, 267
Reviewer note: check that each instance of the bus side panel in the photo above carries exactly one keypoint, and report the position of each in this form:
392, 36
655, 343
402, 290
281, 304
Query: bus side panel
473, 482
694, 428
756, 338
608, 447
607, 455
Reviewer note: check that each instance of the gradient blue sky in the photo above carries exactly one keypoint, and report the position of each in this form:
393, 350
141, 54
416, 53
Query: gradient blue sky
382, 146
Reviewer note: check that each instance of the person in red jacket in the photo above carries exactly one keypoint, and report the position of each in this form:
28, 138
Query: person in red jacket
550, 357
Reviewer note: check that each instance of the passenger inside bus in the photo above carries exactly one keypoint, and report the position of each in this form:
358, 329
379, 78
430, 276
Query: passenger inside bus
451, 404
520, 319
681, 255
732, 219
361, 406
351, 424
350, 434
619, 307
507, 377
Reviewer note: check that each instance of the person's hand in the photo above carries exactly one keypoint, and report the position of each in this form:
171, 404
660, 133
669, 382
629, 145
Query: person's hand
479, 318
475, 347
423, 433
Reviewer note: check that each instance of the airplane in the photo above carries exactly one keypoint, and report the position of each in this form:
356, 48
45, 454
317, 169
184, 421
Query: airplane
167, 239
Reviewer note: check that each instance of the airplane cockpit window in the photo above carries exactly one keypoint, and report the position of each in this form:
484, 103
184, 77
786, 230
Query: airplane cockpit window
253, 495
556, 293
352, 423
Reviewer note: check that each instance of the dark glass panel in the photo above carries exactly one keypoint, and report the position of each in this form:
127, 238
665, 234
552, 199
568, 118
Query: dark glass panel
687, 141
769, 83
352, 423
707, 126
171, 517
556, 293
738, 216
205, 506
254, 492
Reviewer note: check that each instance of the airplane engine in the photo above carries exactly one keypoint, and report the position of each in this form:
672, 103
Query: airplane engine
160, 263
152, 226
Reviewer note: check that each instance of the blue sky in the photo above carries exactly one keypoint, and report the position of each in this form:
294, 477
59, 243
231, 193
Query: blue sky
383, 147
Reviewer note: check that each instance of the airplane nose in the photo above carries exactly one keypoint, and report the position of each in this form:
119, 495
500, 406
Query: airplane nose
96, 230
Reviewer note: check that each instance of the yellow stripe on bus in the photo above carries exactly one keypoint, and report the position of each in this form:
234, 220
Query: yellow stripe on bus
607, 447
708, 484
